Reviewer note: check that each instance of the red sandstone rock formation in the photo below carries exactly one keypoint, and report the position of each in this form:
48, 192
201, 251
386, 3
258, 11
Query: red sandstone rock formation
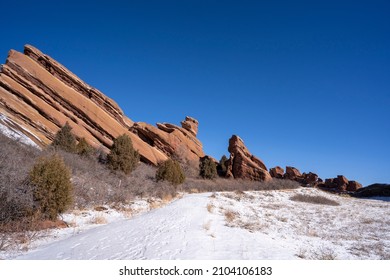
174, 141
39, 95
191, 125
310, 178
353, 186
340, 184
242, 164
292, 173
276, 172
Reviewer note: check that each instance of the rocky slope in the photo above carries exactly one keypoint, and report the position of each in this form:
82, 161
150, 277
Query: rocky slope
38, 96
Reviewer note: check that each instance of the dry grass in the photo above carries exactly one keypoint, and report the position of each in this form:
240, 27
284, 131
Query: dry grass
128, 213
16, 159
210, 207
98, 219
282, 219
100, 208
321, 253
5, 242
154, 204
230, 215
314, 199
167, 198
235, 185
238, 195
252, 226
19, 235
324, 254
365, 249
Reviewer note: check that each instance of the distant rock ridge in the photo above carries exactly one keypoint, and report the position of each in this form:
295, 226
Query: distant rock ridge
39, 95
338, 184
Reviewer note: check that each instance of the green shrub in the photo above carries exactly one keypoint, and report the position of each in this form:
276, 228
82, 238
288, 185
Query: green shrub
53, 190
122, 155
222, 166
64, 139
207, 168
170, 171
83, 148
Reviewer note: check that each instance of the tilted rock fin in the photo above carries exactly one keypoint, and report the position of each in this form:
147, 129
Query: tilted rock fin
39, 95
242, 164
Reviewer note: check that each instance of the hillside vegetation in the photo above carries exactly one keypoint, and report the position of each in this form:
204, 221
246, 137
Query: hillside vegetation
93, 181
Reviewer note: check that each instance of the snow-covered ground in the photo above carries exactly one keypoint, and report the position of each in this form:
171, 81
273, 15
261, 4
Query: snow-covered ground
78, 221
14, 134
250, 225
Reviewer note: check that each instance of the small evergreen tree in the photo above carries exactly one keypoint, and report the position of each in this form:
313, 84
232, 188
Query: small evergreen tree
207, 168
83, 148
64, 139
53, 188
170, 171
122, 155
222, 166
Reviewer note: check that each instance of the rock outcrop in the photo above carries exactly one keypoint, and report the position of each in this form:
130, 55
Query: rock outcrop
276, 172
292, 173
353, 186
242, 164
340, 184
39, 95
310, 178
191, 125
373, 190
172, 140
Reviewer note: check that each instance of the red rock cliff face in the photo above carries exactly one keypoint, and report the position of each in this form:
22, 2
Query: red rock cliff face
242, 164
173, 140
40, 95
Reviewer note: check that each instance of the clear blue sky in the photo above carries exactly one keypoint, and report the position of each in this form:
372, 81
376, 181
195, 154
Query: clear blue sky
304, 83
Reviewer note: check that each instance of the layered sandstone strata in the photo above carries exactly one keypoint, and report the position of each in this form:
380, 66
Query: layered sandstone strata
39, 95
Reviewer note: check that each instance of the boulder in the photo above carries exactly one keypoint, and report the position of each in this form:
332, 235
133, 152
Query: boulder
242, 164
292, 173
310, 178
329, 183
276, 172
341, 183
341, 180
191, 125
353, 186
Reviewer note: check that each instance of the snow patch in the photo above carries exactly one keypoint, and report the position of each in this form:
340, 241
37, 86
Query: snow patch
263, 225
14, 134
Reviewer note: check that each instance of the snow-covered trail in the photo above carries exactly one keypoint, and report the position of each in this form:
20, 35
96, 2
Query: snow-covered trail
183, 229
